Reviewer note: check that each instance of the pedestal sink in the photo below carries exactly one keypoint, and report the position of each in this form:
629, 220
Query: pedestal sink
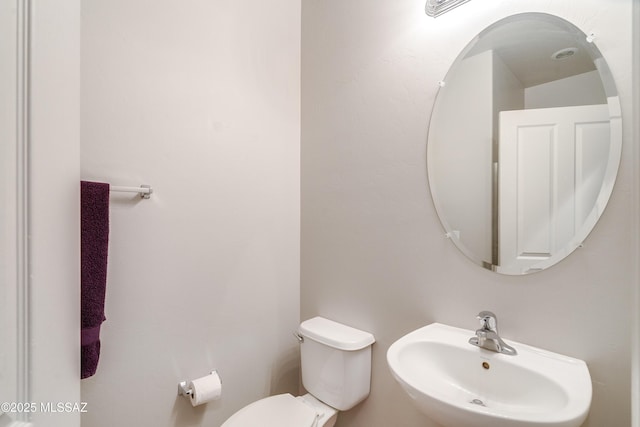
461, 385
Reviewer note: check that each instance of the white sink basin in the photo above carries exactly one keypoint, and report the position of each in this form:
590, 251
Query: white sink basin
460, 385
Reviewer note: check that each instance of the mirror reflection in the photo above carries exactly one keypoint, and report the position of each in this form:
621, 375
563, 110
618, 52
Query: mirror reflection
524, 143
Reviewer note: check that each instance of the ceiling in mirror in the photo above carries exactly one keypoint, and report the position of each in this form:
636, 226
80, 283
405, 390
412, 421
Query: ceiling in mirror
524, 143
527, 48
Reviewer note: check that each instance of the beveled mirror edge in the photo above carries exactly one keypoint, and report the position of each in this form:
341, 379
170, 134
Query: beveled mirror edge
611, 171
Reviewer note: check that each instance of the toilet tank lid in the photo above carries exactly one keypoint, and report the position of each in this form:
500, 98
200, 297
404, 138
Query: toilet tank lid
335, 334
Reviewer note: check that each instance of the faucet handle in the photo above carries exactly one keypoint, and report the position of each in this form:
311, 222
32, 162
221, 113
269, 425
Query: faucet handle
488, 320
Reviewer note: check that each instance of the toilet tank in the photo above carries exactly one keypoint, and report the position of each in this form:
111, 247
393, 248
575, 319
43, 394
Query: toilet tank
336, 362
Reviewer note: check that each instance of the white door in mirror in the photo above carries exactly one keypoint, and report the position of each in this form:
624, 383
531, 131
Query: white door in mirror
550, 176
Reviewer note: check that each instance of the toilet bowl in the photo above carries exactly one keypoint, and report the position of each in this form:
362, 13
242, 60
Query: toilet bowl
285, 410
336, 371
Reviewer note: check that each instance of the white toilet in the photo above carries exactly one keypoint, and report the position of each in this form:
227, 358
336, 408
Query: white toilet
336, 371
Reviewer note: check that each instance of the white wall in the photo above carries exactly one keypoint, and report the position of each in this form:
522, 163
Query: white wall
8, 190
373, 251
201, 100
463, 171
40, 118
508, 92
635, 153
582, 89
54, 208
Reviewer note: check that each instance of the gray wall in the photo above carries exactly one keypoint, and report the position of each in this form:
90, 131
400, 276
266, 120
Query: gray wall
54, 235
374, 254
201, 101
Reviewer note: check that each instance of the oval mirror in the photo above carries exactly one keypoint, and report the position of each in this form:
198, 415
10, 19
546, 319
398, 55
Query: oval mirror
524, 143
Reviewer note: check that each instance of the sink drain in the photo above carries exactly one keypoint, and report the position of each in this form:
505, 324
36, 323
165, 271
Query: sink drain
478, 402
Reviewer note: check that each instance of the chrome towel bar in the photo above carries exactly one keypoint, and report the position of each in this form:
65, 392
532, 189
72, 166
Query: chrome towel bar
145, 191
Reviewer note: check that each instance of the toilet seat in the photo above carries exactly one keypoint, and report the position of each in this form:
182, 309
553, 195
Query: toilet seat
282, 410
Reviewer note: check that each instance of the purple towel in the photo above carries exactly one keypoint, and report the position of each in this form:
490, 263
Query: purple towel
94, 216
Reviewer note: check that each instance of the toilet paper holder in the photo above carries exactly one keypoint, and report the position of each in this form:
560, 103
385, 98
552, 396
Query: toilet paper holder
185, 390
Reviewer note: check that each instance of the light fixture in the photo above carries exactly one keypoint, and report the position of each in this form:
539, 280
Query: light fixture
564, 53
436, 8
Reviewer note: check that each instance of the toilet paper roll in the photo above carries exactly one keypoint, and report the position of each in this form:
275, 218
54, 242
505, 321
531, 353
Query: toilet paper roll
205, 389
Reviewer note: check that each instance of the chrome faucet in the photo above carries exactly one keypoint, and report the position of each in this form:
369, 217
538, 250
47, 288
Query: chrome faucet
487, 336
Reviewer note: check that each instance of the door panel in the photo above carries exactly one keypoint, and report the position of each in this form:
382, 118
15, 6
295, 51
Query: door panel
550, 171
